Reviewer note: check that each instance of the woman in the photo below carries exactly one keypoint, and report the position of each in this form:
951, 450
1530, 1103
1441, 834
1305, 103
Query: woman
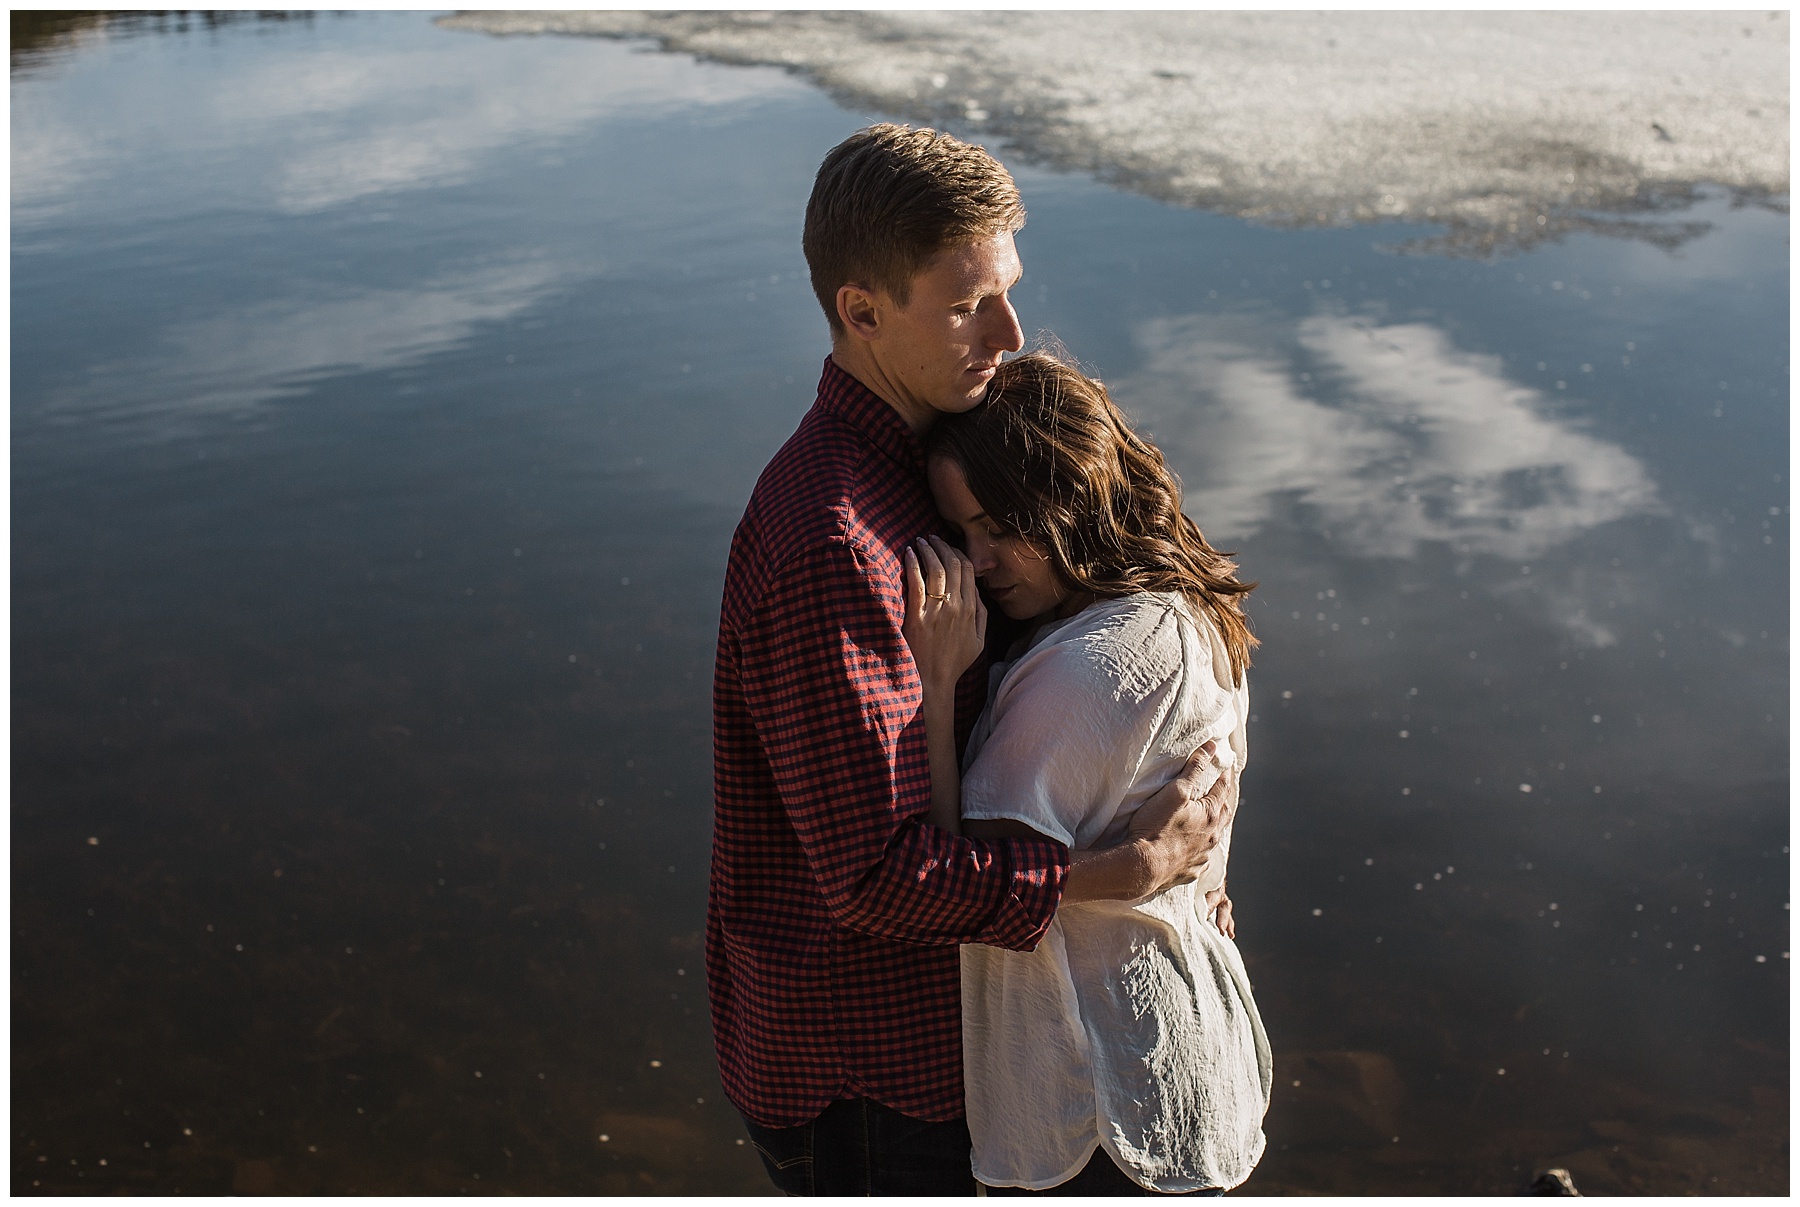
1124, 1055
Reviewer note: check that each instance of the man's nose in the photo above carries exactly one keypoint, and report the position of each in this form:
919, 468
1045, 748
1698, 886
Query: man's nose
1005, 334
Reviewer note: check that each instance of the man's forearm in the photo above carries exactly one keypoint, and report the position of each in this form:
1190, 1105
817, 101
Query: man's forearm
1122, 873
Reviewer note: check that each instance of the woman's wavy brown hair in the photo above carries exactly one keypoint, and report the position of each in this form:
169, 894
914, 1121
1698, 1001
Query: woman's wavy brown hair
1051, 458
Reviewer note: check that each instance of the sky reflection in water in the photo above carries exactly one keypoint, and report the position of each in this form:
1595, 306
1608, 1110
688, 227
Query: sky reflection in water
383, 400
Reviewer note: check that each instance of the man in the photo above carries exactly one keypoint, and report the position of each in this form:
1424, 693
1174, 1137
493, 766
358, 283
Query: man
836, 908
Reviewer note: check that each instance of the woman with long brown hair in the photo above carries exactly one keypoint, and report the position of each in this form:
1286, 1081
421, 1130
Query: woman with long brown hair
1124, 1055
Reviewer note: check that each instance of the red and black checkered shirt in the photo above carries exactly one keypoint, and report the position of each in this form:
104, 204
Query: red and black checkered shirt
836, 907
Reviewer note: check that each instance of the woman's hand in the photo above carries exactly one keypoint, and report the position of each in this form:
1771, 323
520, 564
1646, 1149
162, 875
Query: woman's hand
1219, 905
946, 622
945, 626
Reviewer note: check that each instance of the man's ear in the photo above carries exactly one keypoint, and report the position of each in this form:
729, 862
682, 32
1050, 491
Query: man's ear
859, 310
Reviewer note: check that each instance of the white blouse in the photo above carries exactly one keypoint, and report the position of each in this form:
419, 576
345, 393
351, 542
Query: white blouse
1131, 1026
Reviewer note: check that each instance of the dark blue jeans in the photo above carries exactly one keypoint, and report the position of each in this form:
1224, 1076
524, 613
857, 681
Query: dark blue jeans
860, 1147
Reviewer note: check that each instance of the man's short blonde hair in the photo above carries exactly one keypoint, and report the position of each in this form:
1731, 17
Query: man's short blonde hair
889, 198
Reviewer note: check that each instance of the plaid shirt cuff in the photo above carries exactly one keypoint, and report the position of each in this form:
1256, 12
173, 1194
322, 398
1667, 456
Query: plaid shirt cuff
1040, 870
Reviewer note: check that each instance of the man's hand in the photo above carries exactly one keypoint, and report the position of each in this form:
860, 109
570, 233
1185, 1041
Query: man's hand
1182, 823
1167, 840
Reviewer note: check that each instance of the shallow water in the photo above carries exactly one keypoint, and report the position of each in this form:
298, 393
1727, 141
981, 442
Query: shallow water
383, 400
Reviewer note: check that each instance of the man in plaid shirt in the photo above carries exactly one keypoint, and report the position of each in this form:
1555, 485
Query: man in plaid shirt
836, 908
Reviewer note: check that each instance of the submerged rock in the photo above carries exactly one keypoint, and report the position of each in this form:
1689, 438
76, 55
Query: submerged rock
1554, 1182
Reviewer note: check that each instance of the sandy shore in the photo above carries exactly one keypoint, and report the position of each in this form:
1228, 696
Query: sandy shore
1508, 127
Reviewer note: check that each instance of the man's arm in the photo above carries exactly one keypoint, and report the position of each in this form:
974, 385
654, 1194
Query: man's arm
1167, 843
831, 688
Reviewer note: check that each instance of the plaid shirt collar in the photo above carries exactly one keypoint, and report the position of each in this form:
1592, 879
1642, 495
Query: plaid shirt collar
843, 397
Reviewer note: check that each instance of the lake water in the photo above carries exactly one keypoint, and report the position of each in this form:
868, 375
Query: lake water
383, 400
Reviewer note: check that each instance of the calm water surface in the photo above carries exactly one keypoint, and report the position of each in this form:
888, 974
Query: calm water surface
383, 401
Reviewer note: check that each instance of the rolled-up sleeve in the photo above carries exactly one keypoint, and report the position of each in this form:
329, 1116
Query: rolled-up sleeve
834, 695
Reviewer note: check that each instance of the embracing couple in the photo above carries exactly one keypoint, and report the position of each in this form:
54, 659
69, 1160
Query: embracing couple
967, 919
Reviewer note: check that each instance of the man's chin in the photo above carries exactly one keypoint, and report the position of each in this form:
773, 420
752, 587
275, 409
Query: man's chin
956, 404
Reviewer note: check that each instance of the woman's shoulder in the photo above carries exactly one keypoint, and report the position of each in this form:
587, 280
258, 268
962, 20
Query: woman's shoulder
1134, 642
1148, 618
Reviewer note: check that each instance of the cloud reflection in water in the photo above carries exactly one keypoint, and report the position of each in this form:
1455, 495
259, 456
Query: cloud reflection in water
352, 117
262, 351
1388, 433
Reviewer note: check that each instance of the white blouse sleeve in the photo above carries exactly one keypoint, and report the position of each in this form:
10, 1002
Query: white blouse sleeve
1072, 724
